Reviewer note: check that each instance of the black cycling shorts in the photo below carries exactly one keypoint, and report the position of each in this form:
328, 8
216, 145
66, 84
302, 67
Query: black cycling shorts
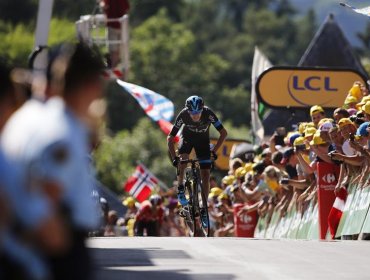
202, 150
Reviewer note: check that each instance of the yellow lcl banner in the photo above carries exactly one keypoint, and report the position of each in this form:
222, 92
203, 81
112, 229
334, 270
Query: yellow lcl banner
304, 87
223, 154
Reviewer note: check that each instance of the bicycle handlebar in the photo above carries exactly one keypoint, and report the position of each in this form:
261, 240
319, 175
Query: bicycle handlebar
183, 161
193, 161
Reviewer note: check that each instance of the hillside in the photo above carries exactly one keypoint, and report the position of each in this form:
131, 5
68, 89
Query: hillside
350, 22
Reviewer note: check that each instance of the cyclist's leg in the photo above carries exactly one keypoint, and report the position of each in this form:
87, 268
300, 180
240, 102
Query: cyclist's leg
204, 155
184, 151
180, 177
152, 228
139, 228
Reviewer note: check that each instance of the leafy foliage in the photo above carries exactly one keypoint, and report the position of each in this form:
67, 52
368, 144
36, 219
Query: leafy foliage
17, 42
117, 156
18, 11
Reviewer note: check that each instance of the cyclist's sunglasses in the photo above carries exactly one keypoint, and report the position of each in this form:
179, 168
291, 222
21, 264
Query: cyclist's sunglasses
195, 112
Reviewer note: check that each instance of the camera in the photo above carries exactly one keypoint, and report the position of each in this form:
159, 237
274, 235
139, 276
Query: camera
280, 133
330, 154
284, 181
301, 147
357, 119
351, 137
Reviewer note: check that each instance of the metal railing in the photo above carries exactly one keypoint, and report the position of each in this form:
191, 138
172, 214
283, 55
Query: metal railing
93, 29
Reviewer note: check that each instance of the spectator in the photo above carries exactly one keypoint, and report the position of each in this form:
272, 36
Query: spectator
362, 102
366, 109
172, 225
347, 129
324, 131
290, 162
350, 102
317, 113
110, 228
339, 114
132, 209
336, 139
235, 164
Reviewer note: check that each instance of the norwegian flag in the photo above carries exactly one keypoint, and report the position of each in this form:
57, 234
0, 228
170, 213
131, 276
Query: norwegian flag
336, 211
156, 106
141, 183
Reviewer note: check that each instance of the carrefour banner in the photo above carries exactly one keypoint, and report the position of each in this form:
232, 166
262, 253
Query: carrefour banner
303, 87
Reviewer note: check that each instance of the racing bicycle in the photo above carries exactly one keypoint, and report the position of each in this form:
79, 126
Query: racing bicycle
197, 205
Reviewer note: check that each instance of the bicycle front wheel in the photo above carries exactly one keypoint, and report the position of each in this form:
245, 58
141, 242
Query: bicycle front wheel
203, 209
188, 211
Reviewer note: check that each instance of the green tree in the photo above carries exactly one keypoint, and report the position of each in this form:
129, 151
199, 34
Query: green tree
164, 59
117, 156
274, 34
72, 10
17, 41
18, 11
141, 10
285, 8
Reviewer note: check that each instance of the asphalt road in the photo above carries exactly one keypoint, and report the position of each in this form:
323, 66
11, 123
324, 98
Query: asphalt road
228, 259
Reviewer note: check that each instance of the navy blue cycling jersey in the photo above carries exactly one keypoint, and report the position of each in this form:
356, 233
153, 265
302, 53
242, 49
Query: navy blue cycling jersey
196, 129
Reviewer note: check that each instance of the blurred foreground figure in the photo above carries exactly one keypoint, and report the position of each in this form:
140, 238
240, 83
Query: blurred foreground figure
50, 142
25, 219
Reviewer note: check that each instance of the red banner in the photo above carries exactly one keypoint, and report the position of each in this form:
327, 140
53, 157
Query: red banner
327, 174
246, 223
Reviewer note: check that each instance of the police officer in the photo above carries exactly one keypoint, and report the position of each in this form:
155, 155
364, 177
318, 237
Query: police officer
56, 146
24, 212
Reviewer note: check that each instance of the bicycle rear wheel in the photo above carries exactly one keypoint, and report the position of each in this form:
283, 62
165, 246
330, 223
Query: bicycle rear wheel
188, 211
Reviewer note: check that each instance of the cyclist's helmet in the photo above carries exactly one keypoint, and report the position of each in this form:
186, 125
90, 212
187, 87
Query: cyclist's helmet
194, 104
155, 199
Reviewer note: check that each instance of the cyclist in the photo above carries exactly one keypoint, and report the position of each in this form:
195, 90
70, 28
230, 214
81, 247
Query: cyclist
150, 216
196, 120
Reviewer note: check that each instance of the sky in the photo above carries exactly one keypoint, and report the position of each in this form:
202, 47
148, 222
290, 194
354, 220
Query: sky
349, 21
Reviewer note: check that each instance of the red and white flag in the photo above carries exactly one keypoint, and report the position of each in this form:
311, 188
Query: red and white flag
166, 127
336, 211
141, 183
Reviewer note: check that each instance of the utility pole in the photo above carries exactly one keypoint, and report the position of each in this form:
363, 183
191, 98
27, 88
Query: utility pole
43, 22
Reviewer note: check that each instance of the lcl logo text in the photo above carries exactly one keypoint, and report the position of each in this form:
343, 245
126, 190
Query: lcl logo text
313, 83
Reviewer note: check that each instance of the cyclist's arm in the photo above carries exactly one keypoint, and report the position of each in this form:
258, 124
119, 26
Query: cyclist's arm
218, 125
171, 136
171, 145
221, 139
